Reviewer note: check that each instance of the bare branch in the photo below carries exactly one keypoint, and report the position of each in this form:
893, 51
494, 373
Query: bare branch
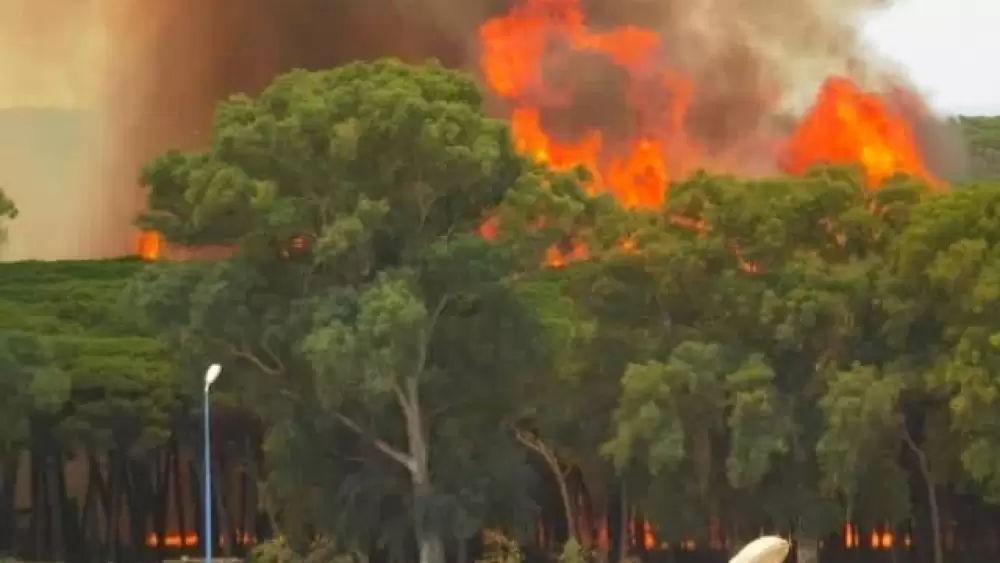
404, 459
429, 329
404, 401
425, 342
904, 433
279, 365
250, 357
536, 445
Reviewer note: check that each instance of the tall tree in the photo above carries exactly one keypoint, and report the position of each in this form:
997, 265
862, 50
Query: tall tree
361, 300
760, 287
947, 267
8, 211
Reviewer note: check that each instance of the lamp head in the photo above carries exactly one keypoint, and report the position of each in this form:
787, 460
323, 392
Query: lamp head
766, 549
211, 374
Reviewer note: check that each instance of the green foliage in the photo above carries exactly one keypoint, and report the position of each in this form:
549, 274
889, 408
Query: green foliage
68, 352
573, 552
861, 443
761, 355
740, 398
951, 268
362, 308
982, 134
498, 548
321, 550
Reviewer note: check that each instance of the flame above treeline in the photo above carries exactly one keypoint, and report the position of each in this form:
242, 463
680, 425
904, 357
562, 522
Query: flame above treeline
537, 58
610, 100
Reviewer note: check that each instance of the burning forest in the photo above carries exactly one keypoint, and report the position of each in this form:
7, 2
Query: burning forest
393, 379
613, 101
639, 93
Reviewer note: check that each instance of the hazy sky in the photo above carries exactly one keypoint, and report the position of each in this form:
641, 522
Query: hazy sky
949, 49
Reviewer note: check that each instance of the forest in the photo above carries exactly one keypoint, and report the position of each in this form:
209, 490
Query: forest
435, 348
982, 135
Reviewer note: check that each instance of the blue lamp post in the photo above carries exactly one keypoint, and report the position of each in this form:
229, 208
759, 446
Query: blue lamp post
211, 374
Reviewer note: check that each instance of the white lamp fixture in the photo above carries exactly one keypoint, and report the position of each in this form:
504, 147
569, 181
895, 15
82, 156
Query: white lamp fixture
211, 374
765, 549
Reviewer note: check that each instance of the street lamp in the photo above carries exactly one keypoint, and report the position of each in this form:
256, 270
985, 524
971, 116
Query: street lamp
211, 374
766, 549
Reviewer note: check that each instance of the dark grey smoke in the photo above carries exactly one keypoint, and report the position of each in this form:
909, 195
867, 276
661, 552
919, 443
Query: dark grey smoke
751, 62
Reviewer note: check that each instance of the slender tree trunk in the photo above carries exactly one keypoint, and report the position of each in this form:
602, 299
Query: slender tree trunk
430, 542
115, 489
34, 525
623, 525
806, 550
69, 515
104, 496
48, 537
244, 523
161, 506
8, 517
220, 496
552, 461
197, 501
180, 502
88, 527
141, 503
567, 502
932, 500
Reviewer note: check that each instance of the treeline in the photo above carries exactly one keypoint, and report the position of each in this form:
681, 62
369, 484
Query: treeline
982, 135
440, 337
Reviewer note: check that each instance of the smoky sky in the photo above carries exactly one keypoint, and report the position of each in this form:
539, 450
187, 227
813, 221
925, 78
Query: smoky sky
167, 64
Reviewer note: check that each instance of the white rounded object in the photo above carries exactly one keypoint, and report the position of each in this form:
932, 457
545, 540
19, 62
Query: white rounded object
765, 549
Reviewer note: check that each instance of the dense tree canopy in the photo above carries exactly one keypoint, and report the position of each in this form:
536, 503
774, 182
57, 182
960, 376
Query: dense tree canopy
982, 135
362, 306
777, 353
760, 350
69, 351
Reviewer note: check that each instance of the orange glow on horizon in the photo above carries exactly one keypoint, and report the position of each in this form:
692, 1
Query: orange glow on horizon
191, 539
148, 245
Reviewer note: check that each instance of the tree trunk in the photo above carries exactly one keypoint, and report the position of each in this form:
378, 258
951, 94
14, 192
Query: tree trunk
103, 492
88, 525
567, 502
806, 550
932, 500
623, 524
8, 516
115, 488
140, 503
177, 481
552, 461
161, 492
429, 540
69, 515
220, 494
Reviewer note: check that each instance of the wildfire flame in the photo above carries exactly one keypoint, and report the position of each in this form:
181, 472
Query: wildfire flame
148, 245
525, 51
514, 50
520, 48
848, 126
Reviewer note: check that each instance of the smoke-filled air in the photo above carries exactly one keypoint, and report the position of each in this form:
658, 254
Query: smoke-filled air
637, 91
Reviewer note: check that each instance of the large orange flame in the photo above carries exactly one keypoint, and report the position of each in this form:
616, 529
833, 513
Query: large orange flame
523, 49
514, 48
845, 125
148, 245
848, 126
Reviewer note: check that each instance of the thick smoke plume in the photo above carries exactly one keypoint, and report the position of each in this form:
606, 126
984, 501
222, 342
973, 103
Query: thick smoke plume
164, 65
51, 54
